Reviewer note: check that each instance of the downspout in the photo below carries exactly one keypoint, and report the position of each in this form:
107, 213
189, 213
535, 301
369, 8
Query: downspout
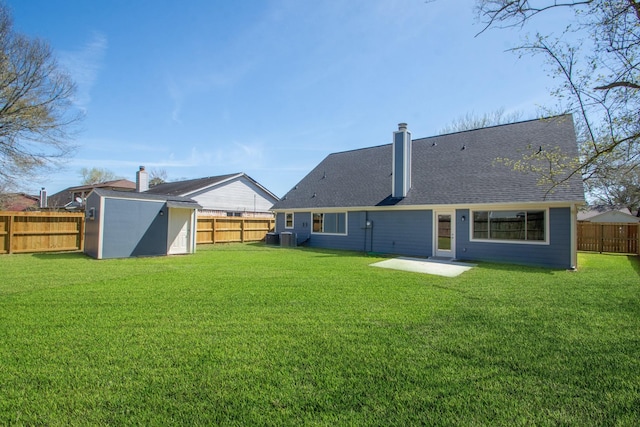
574, 237
366, 220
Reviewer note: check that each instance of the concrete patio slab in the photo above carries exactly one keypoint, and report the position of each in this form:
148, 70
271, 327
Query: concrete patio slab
426, 266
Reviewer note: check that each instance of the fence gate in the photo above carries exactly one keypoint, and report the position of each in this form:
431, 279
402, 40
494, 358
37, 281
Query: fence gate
608, 237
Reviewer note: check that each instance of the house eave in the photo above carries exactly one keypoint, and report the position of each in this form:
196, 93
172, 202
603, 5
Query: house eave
502, 205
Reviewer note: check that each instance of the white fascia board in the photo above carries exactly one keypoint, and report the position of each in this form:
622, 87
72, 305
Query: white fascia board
474, 206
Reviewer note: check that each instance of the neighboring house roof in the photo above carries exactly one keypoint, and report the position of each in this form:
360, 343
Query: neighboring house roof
19, 202
172, 201
192, 186
458, 168
607, 214
64, 197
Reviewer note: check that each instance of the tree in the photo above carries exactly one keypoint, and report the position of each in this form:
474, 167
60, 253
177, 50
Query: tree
597, 60
621, 188
157, 176
97, 175
473, 121
36, 108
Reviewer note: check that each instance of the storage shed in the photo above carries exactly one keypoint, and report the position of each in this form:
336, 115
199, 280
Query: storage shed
130, 224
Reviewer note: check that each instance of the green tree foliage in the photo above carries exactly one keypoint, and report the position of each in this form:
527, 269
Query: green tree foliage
97, 175
36, 110
596, 62
157, 176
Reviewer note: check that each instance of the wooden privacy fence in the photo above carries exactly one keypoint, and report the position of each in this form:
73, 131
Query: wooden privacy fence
22, 232
608, 237
232, 229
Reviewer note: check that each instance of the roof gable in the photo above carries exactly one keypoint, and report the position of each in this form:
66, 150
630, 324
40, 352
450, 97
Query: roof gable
192, 187
189, 186
459, 168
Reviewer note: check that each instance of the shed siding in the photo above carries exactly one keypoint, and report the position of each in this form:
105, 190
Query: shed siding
92, 227
135, 228
237, 195
557, 254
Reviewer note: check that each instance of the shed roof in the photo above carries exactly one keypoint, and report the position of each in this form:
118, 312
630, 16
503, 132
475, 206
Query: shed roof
458, 168
172, 201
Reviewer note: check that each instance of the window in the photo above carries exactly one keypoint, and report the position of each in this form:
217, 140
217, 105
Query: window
509, 225
331, 223
288, 220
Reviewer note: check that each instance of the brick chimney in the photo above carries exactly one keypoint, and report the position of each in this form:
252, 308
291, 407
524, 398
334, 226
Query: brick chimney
142, 180
401, 169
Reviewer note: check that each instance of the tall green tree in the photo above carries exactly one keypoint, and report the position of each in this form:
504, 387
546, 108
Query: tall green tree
157, 176
97, 175
36, 109
596, 62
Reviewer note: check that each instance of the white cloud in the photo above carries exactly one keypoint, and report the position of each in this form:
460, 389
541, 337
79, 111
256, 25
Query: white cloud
84, 65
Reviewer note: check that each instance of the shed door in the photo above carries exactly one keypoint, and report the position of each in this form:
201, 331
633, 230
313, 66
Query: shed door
179, 231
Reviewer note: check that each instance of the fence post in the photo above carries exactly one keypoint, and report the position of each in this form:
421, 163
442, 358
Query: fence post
601, 239
242, 225
10, 234
81, 233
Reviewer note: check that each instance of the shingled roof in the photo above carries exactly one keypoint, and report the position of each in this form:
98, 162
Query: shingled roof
457, 168
172, 201
190, 185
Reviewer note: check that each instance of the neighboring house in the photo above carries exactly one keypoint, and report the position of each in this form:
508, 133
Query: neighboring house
127, 224
19, 202
607, 214
73, 197
225, 195
445, 196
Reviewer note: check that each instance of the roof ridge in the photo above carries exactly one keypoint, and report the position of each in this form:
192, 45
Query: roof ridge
495, 126
457, 133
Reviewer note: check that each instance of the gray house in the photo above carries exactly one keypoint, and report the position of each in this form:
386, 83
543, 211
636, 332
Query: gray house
445, 196
128, 224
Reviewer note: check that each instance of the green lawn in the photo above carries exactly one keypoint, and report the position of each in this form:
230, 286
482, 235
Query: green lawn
253, 335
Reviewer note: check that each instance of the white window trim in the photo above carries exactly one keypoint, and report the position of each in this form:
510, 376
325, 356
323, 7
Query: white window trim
346, 224
293, 220
544, 242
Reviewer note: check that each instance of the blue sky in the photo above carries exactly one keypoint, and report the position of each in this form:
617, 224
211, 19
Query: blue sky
209, 87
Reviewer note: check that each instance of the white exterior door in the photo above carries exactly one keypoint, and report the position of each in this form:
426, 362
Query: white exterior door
179, 231
444, 232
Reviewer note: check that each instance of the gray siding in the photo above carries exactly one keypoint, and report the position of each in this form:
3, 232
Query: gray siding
301, 224
557, 254
134, 228
92, 227
400, 232
411, 233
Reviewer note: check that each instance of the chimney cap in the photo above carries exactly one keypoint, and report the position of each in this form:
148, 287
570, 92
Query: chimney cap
402, 126
141, 168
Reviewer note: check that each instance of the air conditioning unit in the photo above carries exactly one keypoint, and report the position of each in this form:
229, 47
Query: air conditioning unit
288, 239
